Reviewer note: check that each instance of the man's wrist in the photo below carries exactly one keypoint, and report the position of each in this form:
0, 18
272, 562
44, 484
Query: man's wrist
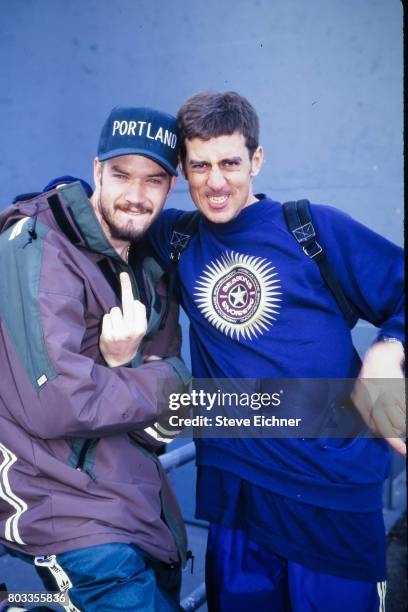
391, 339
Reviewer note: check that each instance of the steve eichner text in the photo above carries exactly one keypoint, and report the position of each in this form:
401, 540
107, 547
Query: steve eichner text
206, 400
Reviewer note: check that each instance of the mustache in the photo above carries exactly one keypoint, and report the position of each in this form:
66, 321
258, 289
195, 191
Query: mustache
138, 208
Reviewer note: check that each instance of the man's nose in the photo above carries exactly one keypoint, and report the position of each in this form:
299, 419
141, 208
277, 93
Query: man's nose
134, 193
216, 179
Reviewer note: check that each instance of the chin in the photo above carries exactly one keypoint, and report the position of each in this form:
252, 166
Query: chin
128, 232
220, 217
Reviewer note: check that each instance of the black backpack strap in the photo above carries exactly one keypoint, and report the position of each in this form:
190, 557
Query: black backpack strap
299, 221
184, 229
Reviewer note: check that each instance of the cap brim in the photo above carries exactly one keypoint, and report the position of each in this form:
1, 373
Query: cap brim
157, 158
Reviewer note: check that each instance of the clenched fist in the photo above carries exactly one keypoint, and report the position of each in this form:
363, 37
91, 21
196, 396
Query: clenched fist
123, 330
379, 393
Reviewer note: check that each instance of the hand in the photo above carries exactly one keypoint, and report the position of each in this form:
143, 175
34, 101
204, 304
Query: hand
123, 330
379, 393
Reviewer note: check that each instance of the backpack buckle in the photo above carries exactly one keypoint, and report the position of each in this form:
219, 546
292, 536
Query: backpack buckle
312, 250
175, 255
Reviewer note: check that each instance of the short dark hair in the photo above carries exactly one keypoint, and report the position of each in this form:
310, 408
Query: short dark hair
208, 115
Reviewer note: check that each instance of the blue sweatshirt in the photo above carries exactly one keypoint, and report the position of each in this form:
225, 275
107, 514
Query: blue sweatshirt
258, 308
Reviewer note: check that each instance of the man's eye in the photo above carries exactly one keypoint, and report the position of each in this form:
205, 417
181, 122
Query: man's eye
231, 163
118, 175
199, 166
155, 180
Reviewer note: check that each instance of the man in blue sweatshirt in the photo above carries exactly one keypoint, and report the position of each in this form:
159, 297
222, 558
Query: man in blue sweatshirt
296, 523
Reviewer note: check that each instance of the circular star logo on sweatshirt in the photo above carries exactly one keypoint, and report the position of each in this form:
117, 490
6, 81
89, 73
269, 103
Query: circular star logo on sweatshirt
239, 295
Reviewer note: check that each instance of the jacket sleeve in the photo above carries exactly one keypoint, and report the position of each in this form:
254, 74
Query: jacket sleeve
87, 399
166, 343
369, 267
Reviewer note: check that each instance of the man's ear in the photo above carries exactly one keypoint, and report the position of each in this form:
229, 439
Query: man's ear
182, 169
97, 173
257, 160
173, 181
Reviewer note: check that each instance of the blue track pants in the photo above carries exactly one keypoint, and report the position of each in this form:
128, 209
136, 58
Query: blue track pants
242, 576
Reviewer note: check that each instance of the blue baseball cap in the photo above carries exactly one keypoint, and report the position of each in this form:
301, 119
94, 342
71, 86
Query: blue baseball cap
141, 131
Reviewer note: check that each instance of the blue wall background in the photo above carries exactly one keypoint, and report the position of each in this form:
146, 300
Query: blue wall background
324, 75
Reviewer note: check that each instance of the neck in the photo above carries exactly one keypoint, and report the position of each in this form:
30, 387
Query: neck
124, 252
251, 199
120, 246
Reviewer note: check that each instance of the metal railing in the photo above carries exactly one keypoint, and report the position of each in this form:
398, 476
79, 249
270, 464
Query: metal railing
171, 461
196, 599
178, 457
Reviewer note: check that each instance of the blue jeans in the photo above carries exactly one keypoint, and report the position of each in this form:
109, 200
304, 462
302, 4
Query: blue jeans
112, 577
242, 576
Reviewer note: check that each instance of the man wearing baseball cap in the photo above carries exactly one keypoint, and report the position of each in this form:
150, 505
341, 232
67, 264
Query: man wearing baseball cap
82, 494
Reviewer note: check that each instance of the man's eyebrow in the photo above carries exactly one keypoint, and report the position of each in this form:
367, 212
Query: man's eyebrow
237, 158
197, 161
161, 174
116, 168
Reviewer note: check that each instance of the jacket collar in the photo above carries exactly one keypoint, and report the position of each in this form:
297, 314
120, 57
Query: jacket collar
82, 216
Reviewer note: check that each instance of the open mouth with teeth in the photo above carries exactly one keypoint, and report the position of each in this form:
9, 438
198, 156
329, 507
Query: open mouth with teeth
218, 202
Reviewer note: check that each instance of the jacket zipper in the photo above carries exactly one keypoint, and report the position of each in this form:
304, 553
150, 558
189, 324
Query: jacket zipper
82, 455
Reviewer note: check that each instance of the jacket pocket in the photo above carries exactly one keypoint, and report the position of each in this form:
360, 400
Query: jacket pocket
83, 454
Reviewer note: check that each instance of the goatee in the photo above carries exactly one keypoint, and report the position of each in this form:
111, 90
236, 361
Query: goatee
126, 232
